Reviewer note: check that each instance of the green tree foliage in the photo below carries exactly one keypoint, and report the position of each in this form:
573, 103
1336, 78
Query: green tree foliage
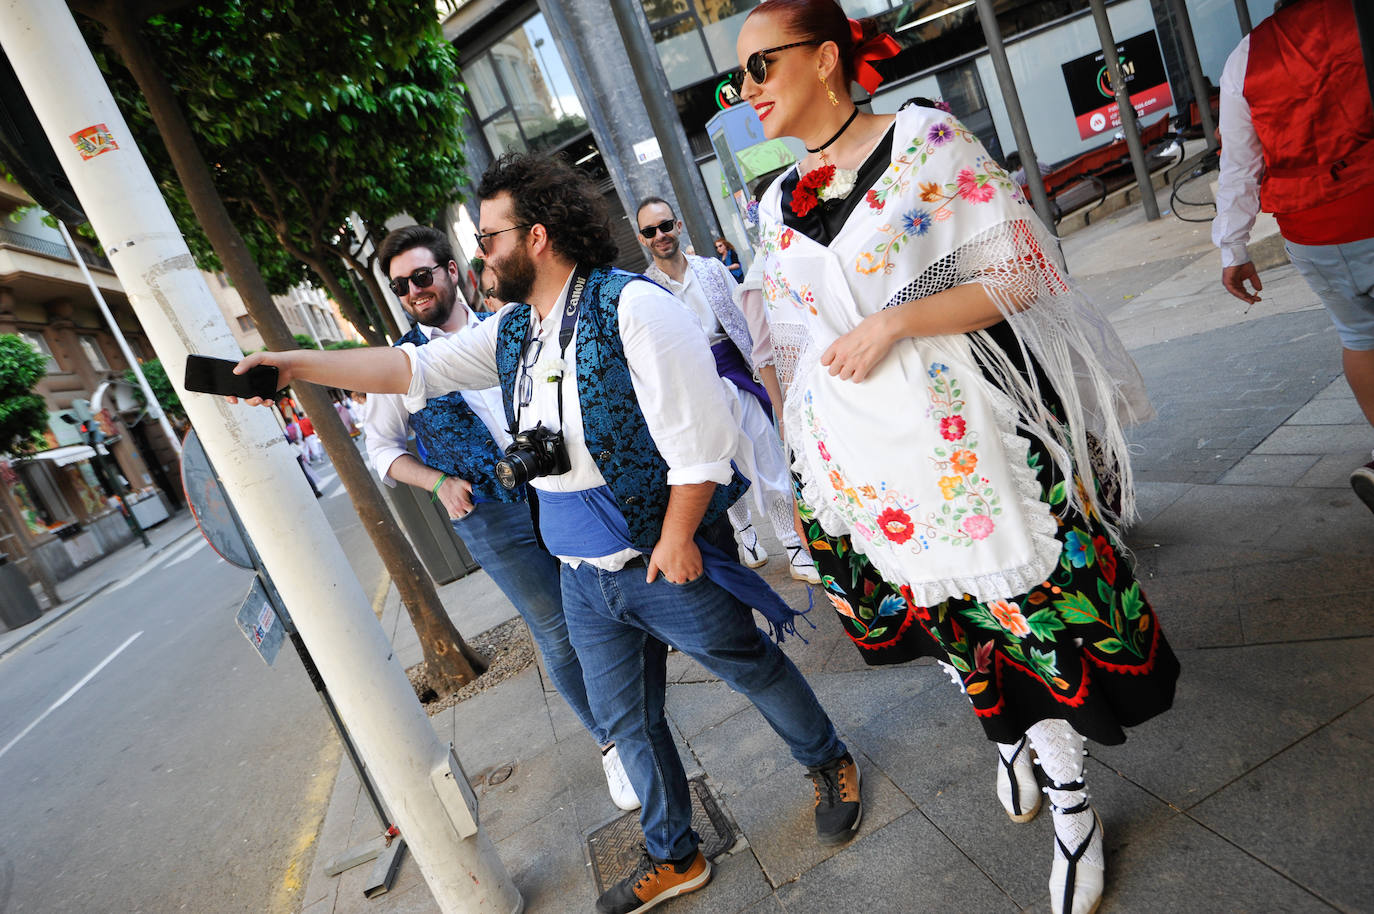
304, 341
23, 414
308, 115
162, 388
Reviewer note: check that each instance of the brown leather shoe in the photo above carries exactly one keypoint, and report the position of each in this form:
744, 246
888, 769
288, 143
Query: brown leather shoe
654, 882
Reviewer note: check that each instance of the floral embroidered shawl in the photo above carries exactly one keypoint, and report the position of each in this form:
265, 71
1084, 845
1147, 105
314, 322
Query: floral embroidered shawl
920, 464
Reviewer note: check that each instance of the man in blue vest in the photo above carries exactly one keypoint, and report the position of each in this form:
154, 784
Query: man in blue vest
459, 437
626, 437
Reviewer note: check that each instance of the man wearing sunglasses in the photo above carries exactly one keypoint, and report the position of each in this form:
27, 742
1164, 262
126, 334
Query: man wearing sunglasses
460, 436
706, 287
637, 513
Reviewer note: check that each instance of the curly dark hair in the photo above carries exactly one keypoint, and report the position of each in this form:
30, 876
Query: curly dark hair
414, 236
545, 189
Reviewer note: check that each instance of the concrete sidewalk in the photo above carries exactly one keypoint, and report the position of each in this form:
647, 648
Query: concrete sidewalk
1251, 795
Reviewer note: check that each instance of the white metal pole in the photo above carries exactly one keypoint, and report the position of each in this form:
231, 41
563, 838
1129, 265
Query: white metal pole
154, 406
429, 796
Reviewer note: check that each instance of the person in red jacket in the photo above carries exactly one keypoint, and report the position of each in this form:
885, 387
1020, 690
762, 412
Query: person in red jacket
314, 451
1297, 129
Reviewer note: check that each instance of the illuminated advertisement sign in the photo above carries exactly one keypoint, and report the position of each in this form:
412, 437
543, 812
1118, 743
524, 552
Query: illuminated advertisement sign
1090, 89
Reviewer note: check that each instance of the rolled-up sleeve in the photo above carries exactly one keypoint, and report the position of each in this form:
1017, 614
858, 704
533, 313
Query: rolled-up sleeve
466, 361
675, 380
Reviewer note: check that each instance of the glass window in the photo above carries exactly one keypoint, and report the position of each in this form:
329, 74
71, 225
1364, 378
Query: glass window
246, 323
90, 347
485, 91
523, 96
39, 342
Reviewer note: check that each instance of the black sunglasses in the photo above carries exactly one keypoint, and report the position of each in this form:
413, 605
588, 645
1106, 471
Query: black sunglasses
666, 226
483, 236
756, 64
423, 278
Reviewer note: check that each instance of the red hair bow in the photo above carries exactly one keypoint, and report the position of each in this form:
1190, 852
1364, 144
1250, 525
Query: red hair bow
879, 47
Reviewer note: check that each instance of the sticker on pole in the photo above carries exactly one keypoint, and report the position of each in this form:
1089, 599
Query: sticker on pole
258, 621
93, 141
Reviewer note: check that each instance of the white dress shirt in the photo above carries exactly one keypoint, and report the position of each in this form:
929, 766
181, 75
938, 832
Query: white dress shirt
387, 420
671, 368
1242, 163
691, 294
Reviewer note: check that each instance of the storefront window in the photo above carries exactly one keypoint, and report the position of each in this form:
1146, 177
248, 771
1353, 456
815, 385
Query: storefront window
521, 92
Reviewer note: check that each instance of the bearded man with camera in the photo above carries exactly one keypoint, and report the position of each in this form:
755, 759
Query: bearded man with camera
624, 433
460, 436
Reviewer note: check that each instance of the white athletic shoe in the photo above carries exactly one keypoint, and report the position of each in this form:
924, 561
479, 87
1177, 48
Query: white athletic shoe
622, 793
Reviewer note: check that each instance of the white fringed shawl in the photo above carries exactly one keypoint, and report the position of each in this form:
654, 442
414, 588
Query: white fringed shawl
920, 464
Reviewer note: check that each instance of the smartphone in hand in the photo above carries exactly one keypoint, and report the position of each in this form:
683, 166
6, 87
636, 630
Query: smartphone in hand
208, 375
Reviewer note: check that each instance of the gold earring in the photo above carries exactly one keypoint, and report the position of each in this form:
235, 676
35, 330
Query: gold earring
828, 91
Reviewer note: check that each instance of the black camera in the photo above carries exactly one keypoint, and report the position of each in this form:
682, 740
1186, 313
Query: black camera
534, 453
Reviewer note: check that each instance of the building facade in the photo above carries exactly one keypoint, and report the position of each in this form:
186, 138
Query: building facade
308, 312
546, 75
57, 508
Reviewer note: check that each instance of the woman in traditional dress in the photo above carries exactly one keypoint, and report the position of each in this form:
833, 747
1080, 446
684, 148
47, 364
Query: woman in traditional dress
955, 411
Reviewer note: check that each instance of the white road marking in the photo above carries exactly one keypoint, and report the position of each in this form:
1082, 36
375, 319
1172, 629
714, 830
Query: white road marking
185, 555
196, 543
70, 692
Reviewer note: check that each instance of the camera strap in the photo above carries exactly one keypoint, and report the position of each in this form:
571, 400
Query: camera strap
571, 303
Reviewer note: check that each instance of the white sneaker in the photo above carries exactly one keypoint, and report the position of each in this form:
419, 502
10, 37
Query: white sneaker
751, 551
801, 566
622, 793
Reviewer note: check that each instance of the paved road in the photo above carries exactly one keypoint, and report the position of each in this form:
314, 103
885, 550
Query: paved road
150, 761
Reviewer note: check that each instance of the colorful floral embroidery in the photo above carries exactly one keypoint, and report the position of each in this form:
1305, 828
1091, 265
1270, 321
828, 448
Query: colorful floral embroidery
970, 500
971, 186
896, 525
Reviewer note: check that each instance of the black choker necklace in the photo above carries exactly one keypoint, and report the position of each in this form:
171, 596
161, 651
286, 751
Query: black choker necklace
843, 127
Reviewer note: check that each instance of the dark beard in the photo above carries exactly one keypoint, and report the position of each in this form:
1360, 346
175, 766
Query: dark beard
515, 277
445, 295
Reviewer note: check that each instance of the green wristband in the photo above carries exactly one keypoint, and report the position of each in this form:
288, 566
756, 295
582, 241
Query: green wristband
435, 491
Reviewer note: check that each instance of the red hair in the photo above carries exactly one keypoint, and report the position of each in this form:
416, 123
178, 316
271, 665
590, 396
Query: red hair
821, 20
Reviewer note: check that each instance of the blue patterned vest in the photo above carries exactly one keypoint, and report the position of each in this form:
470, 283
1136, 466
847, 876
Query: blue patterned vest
454, 440
613, 424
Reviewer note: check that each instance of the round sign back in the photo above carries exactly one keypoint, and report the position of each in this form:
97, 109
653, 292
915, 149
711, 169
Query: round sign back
210, 505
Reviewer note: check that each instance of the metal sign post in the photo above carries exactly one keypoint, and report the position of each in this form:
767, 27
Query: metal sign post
264, 621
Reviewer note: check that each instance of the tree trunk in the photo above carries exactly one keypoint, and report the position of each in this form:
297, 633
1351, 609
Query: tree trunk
322, 262
450, 662
374, 289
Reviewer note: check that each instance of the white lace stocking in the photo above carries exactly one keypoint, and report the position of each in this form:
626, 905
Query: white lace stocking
1060, 752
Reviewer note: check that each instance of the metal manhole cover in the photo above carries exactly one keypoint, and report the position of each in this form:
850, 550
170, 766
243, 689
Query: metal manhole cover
614, 846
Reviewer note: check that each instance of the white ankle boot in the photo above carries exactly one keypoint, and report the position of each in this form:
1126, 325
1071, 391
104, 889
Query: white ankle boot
1078, 872
1017, 788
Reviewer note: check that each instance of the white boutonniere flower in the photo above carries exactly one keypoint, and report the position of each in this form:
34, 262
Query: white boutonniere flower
550, 369
839, 185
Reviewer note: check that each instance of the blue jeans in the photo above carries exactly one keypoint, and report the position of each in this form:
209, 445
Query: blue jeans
619, 625
501, 538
